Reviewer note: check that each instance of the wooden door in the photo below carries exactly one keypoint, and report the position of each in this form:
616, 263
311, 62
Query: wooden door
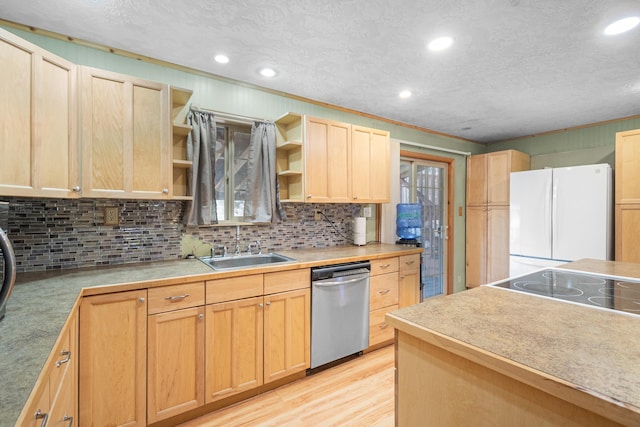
497, 243
287, 327
627, 228
476, 246
233, 347
409, 287
175, 362
125, 137
39, 121
327, 161
477, 180
113, 359
370, 165
627, 176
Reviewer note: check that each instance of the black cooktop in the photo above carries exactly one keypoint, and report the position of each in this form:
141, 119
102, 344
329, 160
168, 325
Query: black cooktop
610, 292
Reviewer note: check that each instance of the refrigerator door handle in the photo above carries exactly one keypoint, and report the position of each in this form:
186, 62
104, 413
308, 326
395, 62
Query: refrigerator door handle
554, 218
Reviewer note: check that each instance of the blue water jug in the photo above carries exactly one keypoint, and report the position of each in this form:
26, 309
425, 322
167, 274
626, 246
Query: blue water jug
409, 220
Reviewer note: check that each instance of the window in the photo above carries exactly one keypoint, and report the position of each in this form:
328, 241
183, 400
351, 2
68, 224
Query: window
232, 153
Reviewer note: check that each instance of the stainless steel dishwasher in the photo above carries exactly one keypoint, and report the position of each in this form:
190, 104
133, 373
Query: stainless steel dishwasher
339, 311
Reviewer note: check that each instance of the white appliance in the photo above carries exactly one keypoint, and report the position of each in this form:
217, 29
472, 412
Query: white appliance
559, 215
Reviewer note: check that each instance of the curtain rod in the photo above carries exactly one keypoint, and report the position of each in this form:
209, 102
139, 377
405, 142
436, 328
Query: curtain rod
228, 116
431, 147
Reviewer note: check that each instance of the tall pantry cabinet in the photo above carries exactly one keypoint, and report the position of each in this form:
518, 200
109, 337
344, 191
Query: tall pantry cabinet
487, 227
627, 193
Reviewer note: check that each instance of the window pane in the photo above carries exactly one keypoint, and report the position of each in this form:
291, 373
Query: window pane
240, 142
220, 180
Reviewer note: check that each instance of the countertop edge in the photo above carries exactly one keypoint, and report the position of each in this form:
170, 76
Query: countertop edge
591, 400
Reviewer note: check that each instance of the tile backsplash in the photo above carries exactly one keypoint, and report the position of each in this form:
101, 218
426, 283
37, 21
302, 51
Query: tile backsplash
51, 234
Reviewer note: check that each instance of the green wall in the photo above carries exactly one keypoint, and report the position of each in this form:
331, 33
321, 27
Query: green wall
236, 98
587, 145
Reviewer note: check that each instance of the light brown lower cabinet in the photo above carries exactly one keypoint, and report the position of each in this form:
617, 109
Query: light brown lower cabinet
175, 363
287, 326
54, 397
409, 280
234, 347
113, 359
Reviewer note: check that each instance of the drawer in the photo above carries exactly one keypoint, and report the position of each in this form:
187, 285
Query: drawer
385, 265
379, 331
283, 281
175, 297
383, 290
409, 262
233, 288
61, 363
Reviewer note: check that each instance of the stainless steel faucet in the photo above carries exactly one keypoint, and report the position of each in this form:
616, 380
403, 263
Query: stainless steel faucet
236, 250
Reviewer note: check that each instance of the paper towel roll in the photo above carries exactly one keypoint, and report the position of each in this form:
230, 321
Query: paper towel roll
359, 231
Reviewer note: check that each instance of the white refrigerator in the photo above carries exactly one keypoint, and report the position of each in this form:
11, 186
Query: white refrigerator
559, 215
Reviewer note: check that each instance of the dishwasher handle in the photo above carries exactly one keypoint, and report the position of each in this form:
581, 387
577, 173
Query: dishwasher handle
325, 283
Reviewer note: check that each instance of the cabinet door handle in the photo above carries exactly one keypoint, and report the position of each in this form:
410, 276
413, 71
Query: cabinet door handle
355, 197
76, 188
268, 303
384, 291
309, 196
69, 419
66, 353
260, 305
44, 417
200, 316
165, 190
177, 297
141, 300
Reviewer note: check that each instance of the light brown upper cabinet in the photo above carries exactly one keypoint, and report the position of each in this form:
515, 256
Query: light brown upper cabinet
627, 189
38, 121
125, 136
488, 176
370, 158
345, 163
327, 151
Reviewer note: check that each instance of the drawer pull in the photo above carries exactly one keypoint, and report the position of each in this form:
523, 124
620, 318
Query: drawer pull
66, 353
384, 266
384, 326
177, 297
40, 416
384, 291
409, 262
69, 419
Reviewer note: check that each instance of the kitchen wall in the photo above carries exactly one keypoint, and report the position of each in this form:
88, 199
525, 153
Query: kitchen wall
237, 98
54, 234
572, 147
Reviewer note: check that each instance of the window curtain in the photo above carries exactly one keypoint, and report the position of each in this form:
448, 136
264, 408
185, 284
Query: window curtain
201, 144
262, 202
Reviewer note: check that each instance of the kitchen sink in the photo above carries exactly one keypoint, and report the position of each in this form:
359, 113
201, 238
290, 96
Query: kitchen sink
240, 261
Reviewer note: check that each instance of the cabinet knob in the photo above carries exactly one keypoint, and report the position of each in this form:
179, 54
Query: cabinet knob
141, 300
165, 190
76, 188
200, 316
355, 197
308, 196
268, 303
260, 305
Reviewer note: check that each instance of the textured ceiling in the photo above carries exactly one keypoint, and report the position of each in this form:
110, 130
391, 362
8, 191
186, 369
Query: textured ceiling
517, 67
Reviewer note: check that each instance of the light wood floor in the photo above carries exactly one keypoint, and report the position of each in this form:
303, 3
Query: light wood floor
356, 393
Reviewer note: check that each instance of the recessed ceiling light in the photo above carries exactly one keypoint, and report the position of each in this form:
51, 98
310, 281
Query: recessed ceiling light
405, 94
221, 59
622, 25
441, 43
267, 72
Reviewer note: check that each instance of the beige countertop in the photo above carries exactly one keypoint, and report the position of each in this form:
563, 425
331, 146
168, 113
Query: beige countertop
559, 347
41, 302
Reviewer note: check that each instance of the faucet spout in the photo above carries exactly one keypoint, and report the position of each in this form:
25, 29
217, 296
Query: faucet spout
236, 250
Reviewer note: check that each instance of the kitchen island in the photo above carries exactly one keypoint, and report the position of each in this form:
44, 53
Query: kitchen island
42, 303
495, 357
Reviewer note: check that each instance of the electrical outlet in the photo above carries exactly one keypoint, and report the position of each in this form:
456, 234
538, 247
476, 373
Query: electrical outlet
111, 216
317, 216
366, 211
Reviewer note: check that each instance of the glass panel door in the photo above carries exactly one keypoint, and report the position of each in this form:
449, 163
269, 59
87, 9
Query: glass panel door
425, 182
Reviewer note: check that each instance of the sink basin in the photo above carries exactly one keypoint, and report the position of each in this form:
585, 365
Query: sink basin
239, 261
